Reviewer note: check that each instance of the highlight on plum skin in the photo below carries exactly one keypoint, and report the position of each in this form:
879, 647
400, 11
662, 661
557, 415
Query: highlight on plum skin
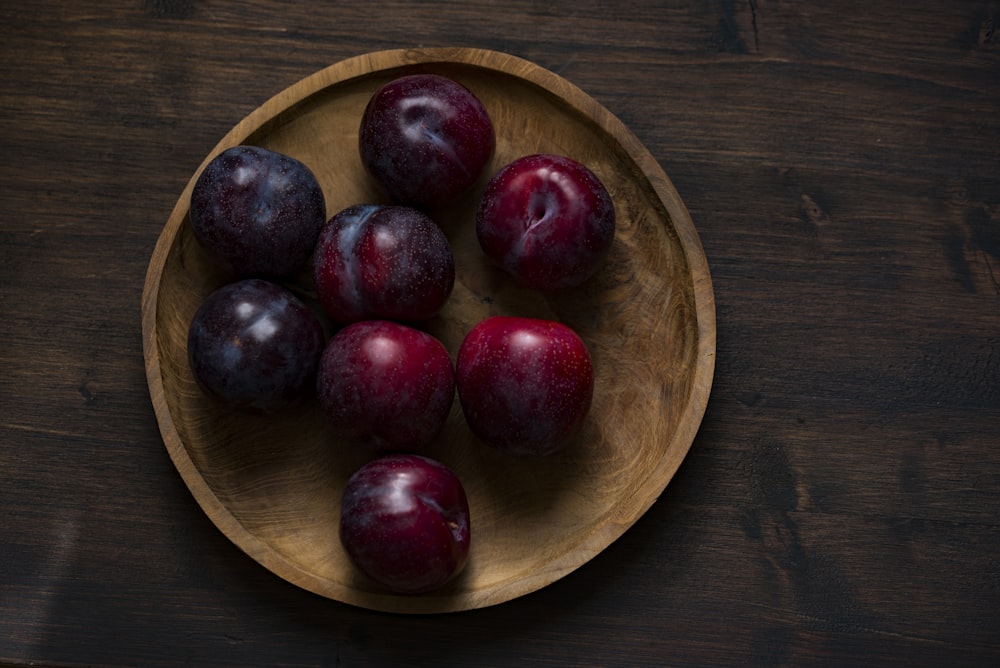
259, 212
425, 139
525, 385
405, 523
385, 386
376, 261
547, 220
253, 345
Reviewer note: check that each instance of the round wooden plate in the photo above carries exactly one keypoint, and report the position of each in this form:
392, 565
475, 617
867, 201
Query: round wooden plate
272, 485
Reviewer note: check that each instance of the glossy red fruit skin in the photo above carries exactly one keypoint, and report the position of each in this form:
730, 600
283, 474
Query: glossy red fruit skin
382, 262
405, 523
525, 385
425, 139
547, 220
253, 345
386, 386
258, 211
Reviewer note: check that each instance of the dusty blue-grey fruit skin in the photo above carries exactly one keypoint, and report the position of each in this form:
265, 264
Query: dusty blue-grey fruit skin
254, 345
258, 211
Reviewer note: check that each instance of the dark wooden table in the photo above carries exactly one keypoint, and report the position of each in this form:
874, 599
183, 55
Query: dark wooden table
841, 161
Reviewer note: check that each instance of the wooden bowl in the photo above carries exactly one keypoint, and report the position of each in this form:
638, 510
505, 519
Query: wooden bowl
272, 485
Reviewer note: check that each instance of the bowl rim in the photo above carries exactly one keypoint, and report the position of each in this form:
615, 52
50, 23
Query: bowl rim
688, 422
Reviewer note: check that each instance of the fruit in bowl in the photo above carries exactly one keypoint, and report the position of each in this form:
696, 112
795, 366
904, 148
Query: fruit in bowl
254, 345
258, 211
519, 552
405, 523
425, 139
382, 262
386, 386
525, 385
547, 220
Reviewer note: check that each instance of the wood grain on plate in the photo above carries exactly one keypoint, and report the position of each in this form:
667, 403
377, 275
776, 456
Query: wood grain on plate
272, 484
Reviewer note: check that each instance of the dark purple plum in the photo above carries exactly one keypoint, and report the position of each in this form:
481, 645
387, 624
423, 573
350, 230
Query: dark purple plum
405, 523
547, 220
525, 385
425, 139
254, 345
382, 262
259, 211
386, 386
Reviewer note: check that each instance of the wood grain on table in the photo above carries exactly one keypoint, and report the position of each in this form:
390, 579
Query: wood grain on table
841, 163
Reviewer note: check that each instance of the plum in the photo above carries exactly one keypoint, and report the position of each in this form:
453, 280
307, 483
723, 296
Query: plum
525, 385
385, 385
405, 523
258, 210
254, 345
425, 139
547, 220
382, 262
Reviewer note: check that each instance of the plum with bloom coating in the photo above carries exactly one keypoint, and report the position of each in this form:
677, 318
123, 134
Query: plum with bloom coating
405, 523
258, 210
425, 139
389, 262
254, 345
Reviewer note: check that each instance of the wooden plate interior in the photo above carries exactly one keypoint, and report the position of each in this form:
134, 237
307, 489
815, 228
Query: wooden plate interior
272, 484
